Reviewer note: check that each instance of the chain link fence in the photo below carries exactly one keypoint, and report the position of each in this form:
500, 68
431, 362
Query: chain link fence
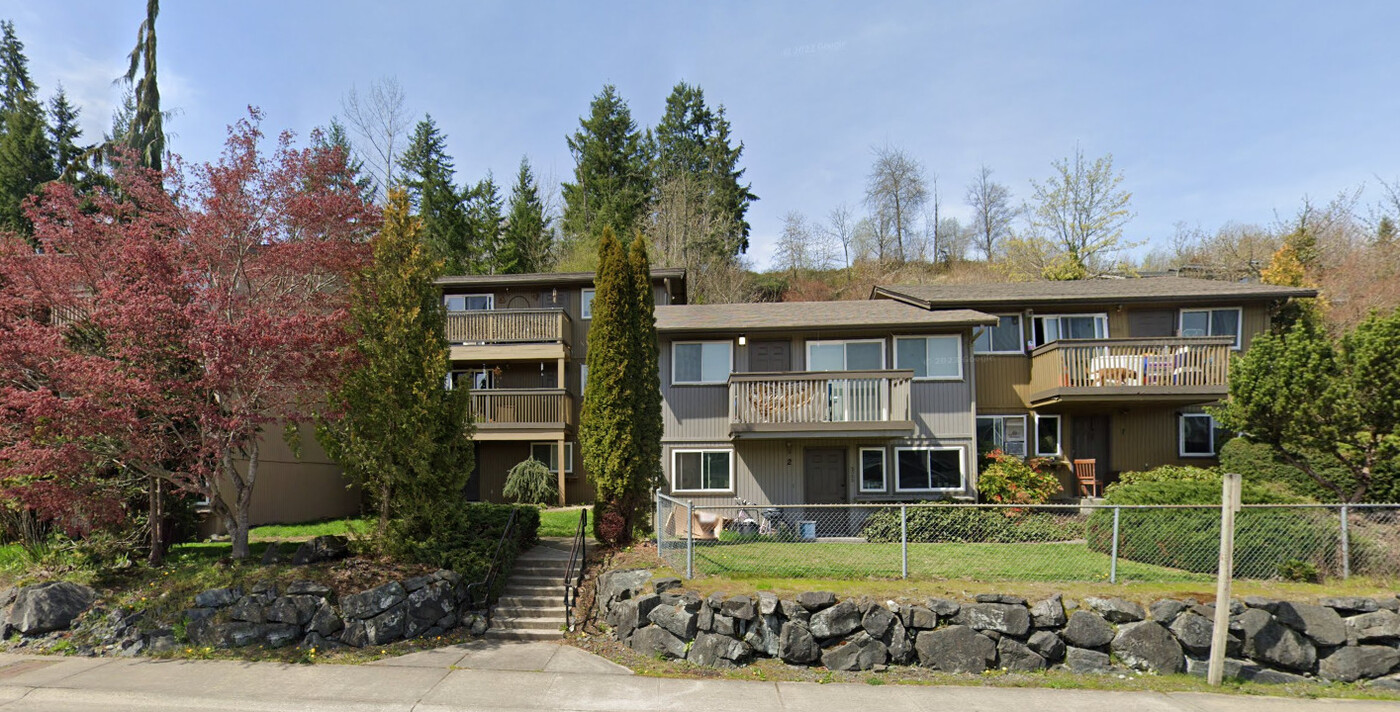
1043, 543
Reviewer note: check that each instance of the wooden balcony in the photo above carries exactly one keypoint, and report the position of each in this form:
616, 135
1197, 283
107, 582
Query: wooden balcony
820, 404
493, 334
1165, 370
521, 413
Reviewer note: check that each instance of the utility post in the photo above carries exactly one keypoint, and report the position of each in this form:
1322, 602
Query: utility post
1229, 505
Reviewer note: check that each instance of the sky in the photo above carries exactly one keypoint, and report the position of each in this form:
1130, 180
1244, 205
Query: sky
1214, 112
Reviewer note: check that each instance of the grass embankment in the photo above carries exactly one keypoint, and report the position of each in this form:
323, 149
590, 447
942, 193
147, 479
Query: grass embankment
563, 521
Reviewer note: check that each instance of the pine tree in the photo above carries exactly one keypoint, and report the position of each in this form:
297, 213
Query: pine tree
145, 133
26, 155
485, 226
612, 183
427, 175
527, 239
334, 137
64, 133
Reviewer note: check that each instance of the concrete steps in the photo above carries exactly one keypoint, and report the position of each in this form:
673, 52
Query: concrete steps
531, 607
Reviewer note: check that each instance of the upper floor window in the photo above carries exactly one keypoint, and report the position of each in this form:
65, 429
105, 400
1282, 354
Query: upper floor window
469, 302
478, 379
1211, 322
1004, 338
701, 361
1002, 432
937, 358
1055, 327
864, 355
585, 303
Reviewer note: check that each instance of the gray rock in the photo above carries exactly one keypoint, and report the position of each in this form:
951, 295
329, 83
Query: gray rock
321, 549
713, 650
897, 641
816, 600
416, 582
280, 635
296, 610
1047, 645
918, 618
272, 554
367, 604
999, 598
217, 597
1194, 632
723, 625
1281, 646
796, 646
386, 627
431, 602
1087, 630
199, 614
1359, 662
1247, 671
160, 643
1049, 613
1166, 610
704, 618
677, 620
715, 600
956, 648
767, 604
248, 609
1391, 683
662, 585
794, 611
836, 621
1349, 605
861, 652
763, 635
945, 608
1116, 610
1376, 625
49, 606
1083, 661
1148, 646
307, 588
630, 614
1323, 625
740, 607
653, 640
1260, 602
1016, 656
243, 634
614, 586
1012, 619
325, 622
877, 621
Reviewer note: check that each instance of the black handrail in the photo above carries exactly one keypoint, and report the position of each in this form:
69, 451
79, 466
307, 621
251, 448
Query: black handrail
489, 582
574, 580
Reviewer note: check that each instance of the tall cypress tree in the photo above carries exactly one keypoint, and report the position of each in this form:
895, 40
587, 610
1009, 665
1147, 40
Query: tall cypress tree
612, 182
527, 240
428, 176
647, 420
26, 155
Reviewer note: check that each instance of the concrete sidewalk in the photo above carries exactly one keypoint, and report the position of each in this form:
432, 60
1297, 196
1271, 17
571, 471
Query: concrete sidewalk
536, 676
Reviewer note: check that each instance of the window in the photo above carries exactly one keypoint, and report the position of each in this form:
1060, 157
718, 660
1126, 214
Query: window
1198, 436
469, 302
928, 469
1047, 435
866, 355
1073, 326
936, 358
1004, 338
701, 361
1211, 322
582, 378
872, 469
1002, 432
585, 303
478, 379
702, 470
548, 453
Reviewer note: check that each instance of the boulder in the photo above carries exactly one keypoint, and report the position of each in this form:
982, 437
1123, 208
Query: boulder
713, 650
367, 604
325, 622
815, 601
1016, 656
796, 646
877, 621
918, 618
1083, 661
1358, 662
430, 602
653, 640
662, 585
1049, 613
767, 604
704, 618
740, 607
763, 635
1376, 625
900, 646
307, 588
1147, 645
861, 652
723, 625
1193, 632
1260, 602
956, 648
296, 610
1166, 610
386, 627
1087, 630
794, 611
628, 615
1350, 605
321, 549
217, 597
677, 620
1247, 671
248, 609
1047, 645
416, 582
280, 635
614, 586
49, 606
1390, 684
1116, 610
1321, 624
999, 598
1278, 645
836, 621
945, 608
1012, 619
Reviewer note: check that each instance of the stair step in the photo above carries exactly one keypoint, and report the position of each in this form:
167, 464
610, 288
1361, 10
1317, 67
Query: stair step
554, 573
546, 624
524, 636
536, 581
528, 601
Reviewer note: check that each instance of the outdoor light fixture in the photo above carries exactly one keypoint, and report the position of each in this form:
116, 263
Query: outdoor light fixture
743, 340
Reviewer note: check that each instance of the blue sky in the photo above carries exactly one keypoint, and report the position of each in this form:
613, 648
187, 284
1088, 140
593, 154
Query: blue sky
1213, 111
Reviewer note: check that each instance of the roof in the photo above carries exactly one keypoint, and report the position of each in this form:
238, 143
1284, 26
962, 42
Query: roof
551, 279
1124, 290
847, 315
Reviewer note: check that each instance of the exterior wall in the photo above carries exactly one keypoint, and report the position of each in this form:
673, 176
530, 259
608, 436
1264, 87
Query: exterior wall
291, 490
494, 458
1144, 438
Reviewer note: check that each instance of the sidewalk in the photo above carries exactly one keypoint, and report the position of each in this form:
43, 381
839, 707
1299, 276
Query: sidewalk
534, 676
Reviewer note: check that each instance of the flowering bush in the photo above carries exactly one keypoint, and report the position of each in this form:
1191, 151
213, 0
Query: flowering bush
1012, 480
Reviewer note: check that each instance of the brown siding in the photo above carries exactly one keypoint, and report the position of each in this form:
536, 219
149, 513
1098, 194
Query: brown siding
495, 458
1003, 382
291, 490
1144, 438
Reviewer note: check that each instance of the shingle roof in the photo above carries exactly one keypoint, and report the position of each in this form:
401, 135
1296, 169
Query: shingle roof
848, 315
1133, 289
545, 278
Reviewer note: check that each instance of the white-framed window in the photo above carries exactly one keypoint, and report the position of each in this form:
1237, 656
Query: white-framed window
582, 379
1196, 435
548, 453
478, 379
701, 362
929, 469
853, 355
469, 302
1212, 322
872, 469
933, 358
1005, 337
585, 303
1002, 432
702, 470
1047, 435
1055, 327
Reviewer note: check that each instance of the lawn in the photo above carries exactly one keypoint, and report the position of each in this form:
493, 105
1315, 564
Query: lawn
563, 521
339, 527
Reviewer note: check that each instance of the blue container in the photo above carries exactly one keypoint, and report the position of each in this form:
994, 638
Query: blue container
807, 530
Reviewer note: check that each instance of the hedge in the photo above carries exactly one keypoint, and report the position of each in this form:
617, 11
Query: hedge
463, 537
961, 523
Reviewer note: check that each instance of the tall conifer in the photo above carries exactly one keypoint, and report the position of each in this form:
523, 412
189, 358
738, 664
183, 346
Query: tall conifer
527, 240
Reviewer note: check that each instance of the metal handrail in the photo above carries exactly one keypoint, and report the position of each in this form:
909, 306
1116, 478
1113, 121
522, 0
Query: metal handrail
489, 582
573, 581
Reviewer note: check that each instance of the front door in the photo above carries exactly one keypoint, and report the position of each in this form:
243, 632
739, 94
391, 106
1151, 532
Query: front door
770, 356
1090, 442
824, 482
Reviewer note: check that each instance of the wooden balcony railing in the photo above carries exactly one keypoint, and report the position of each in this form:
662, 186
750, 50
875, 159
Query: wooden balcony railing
508, 326
502, 407
813, 397
1137, 365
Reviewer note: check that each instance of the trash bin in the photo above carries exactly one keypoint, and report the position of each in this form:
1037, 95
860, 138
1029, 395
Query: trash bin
807, 530
747, 528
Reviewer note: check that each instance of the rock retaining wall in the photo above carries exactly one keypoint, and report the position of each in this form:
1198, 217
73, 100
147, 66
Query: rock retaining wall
1338, 639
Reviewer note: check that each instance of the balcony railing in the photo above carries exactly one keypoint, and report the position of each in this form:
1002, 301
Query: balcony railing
788, 401
515, 407
508, 326
1162, 366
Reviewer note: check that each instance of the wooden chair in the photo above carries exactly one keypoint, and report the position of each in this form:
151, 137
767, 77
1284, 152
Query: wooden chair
1084, 471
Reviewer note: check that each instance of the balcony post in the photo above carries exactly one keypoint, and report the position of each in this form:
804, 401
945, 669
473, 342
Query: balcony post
562, 499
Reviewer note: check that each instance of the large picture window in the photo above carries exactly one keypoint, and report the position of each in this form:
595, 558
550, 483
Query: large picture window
872, 469
702, 470
1002, 432
929, 469
1211, 322
866, 355
701, 361
934, 358
1004, 338
548, 453
1070, 326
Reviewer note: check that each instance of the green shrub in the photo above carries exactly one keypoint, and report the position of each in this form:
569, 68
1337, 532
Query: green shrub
1257, 462
463, 537
1013, 480
1170, 473
961, 523
531, 482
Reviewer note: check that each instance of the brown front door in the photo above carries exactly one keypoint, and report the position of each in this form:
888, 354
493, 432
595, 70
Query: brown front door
824, 475
1089, 441
769, 356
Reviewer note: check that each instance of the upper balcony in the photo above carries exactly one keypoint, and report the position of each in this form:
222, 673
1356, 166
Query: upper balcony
820, 404
496, 334
1166, 370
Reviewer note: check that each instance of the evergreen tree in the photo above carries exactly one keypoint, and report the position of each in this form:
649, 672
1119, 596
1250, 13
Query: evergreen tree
335, 138
612, 183
145, 132
64, 132
485, 226
527, 240
428, 175
26, 155
648, 419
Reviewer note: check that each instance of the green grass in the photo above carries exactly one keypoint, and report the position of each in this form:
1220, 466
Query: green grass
339, 527
562, 521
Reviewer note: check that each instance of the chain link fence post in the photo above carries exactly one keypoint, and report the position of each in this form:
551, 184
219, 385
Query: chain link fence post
904, 540
1346, 544
689, 539
1113, 561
